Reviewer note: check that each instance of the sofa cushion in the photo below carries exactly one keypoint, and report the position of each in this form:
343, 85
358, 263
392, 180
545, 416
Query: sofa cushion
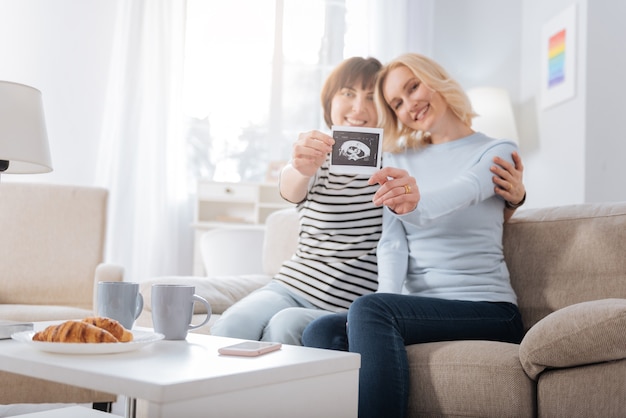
468, 379
584, 333
564, 255
220, 291
595, 390
35, 313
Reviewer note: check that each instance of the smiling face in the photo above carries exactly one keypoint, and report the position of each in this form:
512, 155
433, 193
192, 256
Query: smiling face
414, 103
354, 106
417, 96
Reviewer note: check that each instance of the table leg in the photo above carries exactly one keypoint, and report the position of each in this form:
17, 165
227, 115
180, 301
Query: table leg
131, 407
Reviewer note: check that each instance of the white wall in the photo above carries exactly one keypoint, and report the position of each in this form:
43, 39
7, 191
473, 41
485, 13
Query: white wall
61, 47
579, 145
605, 112
572, 152
478, 42
495, 43
553, 139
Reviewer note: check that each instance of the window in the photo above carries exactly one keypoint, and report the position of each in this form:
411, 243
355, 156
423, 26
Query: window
253, 75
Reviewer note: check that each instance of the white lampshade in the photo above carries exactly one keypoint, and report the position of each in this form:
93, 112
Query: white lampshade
23, 136
495, 113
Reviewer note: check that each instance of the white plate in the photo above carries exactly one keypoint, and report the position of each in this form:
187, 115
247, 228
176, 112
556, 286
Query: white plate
140, 339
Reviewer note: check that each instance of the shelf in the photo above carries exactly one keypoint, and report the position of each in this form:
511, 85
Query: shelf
232, 205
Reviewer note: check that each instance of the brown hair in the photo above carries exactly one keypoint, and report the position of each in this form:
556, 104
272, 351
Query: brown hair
347, 74
436, 78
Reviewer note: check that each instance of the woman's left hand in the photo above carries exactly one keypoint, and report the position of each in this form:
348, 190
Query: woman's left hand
398, 190
508, 179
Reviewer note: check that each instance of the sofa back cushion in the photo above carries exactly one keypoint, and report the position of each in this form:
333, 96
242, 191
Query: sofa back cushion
557, 256
52, 241
564, 255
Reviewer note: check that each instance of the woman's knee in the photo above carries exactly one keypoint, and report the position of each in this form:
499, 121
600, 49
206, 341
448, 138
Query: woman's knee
235, 326
327, 332
367, 306
314, 336
286, 326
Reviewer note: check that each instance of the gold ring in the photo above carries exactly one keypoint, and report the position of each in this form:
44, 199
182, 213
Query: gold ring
407, 189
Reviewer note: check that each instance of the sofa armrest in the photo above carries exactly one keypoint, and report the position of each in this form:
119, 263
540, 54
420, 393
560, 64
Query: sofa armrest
105, 272
579, 334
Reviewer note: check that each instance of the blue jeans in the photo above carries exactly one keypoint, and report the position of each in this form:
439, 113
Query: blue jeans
379, 326
270, 313
327, 332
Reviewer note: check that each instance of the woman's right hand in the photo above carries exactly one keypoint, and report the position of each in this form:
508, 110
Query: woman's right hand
398, 190
508, 178
309, 152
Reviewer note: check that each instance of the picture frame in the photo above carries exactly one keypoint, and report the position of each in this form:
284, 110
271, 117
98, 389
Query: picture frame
558, 58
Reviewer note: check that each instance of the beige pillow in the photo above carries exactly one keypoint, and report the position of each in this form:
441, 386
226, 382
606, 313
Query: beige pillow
220, 291
584, 333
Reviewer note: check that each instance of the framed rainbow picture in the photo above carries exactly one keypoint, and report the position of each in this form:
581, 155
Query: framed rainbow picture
558, 58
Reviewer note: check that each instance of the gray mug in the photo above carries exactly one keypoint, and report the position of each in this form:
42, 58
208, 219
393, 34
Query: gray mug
172, 310
120, 301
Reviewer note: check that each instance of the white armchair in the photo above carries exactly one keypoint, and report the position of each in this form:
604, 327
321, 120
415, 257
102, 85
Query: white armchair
232, 251
238, 260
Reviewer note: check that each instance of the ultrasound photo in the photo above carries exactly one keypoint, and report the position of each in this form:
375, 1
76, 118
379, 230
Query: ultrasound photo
356, 150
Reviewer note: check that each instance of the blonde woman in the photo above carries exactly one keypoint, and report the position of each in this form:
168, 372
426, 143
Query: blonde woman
442, 274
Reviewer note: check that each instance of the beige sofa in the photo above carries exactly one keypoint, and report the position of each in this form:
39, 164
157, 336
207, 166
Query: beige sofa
53, 239
568, 267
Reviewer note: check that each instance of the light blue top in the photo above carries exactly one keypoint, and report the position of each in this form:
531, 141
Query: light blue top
450, 246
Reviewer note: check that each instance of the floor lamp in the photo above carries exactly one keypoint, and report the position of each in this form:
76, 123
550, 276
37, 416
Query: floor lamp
23, 138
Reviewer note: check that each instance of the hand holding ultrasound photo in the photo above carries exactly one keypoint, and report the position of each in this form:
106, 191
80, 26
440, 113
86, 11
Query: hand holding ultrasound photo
356, 150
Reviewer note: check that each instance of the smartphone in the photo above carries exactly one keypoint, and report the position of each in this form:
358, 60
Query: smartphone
249, 348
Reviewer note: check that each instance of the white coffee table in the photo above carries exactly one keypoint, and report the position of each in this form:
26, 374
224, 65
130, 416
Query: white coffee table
69, 412
190, 379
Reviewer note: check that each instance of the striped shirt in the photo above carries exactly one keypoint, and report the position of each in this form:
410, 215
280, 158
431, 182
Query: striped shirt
339, 230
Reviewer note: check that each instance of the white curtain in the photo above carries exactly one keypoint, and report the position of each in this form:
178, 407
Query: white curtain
143, 156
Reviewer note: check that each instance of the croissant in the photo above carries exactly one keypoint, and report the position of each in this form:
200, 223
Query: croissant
111, 325
75, 332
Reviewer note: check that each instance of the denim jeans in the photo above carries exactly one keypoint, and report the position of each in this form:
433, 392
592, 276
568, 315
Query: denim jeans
270, 313
379, 326
327, 332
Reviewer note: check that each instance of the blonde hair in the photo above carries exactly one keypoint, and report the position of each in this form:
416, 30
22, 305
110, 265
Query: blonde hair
397, 136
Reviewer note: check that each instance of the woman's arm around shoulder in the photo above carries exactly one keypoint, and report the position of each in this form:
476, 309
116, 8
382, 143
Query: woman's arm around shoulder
509, 184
